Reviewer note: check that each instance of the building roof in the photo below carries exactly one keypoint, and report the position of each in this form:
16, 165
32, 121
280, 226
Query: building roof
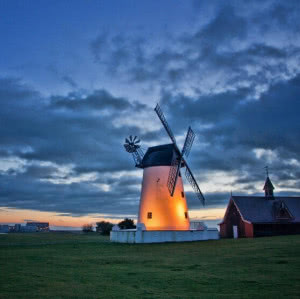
160, 155
259, 209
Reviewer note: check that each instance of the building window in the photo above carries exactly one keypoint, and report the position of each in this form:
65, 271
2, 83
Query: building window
149, 215
182, 194
185, 215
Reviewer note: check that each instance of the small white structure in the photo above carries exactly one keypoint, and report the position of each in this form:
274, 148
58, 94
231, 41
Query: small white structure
141, 235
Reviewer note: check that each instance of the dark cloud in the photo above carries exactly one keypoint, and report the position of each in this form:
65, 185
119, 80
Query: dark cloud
239, 46
60, 139
118, 52
99, 100
77, 199
226, 27
212, 200
64, 129
70, 81
270, 122
40, 172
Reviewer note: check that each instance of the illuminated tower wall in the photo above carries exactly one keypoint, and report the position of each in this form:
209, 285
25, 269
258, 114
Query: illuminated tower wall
158, 210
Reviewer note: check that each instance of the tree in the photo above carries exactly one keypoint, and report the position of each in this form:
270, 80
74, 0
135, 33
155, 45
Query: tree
87, 228
126, 224
104, 227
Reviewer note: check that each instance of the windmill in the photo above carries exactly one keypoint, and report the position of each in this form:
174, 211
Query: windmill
163, 203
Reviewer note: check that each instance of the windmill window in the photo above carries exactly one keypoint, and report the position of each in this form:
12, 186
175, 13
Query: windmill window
185, 215
182, 194
149, 215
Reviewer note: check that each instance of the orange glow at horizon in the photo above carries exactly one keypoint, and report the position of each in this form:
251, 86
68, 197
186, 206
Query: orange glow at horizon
207, 214
9, 215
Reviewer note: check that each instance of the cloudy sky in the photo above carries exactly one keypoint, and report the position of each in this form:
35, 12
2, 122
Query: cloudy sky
78, 77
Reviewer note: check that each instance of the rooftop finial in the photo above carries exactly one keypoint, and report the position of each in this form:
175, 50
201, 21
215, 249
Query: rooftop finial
267, 170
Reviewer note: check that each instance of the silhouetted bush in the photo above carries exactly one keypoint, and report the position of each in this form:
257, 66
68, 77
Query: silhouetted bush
127, 224
87, 228
104, 227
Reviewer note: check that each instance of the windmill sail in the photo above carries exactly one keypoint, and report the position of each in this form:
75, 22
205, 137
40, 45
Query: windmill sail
164, 122
192, 181
178, 158
172, 174
188, 142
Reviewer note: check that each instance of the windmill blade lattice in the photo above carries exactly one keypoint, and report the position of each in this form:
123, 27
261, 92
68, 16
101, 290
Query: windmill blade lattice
172, 174
178, 159
164, 122
188, 142
192, 181
185, 151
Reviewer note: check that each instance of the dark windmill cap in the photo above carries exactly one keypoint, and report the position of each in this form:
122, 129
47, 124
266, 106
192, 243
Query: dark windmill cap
160, 155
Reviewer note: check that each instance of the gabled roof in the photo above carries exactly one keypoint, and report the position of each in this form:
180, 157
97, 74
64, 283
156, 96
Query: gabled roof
257, 209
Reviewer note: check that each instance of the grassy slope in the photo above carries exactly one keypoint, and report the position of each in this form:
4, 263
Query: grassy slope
57, 265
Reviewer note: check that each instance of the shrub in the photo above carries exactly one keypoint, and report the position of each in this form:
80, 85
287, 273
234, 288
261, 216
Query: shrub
104, 227
127, 224
87, 228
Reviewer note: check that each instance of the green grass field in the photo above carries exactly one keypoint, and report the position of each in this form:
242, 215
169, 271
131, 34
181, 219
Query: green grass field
65, 265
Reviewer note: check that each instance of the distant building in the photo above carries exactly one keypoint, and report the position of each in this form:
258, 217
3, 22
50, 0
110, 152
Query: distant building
17, 227
4, 228
197, 225
29, 229
255, 216
38, 226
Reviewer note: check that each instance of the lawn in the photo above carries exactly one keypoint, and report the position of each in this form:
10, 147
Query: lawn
66, 265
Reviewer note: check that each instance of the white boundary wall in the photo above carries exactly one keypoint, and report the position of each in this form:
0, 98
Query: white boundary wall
143, 236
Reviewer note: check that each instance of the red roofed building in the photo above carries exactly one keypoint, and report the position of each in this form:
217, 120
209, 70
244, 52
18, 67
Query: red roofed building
255, 216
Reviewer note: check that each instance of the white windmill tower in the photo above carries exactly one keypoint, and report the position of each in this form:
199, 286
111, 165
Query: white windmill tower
163, 204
